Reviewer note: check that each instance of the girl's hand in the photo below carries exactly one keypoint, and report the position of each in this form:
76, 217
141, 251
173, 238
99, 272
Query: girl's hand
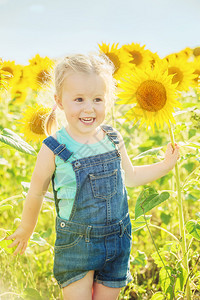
171, 156
20, 237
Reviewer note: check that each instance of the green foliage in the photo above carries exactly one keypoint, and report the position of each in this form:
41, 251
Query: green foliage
140, 259
165, 218
150, 152
4, 245
158, 296
191, 133
148, 199
193, 227
139, 223
5, 207
10, 138
172, 284
172, 275
31, 294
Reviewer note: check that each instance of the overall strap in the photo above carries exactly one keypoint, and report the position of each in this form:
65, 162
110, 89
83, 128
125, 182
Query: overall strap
112, 135
57, 148
63, 153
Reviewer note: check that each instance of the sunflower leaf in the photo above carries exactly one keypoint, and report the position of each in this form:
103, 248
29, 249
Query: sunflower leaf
148, 199
31, 294
5, 207
140, 259
158, 296
190, 145
193, 227
15, 141
139, 223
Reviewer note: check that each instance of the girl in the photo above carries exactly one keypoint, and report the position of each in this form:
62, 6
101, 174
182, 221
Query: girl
89, 174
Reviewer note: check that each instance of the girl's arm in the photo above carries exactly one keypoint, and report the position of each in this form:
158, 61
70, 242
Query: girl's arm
140, 175
42, 174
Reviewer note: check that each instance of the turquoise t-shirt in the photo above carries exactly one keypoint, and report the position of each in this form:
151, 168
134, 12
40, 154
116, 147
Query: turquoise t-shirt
65, 179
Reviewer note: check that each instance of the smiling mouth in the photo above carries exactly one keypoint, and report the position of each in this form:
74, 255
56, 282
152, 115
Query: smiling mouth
87, 120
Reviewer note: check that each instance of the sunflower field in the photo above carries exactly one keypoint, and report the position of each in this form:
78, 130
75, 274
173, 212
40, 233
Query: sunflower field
157, 102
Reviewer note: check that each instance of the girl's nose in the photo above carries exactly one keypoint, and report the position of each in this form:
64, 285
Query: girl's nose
88, 106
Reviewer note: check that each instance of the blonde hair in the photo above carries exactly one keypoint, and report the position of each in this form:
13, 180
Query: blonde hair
92, 63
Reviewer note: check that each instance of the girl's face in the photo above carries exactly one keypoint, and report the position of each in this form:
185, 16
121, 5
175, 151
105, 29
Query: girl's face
83, 101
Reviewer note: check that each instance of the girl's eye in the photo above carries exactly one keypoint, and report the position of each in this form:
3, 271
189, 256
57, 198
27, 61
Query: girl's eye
79, 99
98, 99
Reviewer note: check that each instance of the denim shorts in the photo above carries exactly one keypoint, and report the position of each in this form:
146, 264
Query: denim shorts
81, 248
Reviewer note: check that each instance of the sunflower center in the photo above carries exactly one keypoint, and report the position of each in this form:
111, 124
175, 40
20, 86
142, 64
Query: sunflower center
196, 51
21, 77
18, 94
151, 95
37, 124
43, 77
178, 75
114, 58
137, 57
8, 69
197, 72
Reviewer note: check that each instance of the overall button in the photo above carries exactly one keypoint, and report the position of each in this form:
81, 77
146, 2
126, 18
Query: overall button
77, 164
118, 153
62, 224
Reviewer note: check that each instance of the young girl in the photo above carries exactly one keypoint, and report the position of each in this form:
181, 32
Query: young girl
89, 167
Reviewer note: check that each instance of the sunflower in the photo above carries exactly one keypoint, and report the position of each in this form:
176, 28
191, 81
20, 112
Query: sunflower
154, 57
181, 70
188, 53
184, 53
4, 77
40, 73
196, 66
153, 94
119, 58
140, 57
33, 122
19, 89
24, 76
19, 93
13, 70
196, 52
37, 59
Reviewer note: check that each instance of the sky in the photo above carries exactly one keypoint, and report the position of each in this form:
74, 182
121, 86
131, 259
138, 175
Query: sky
56, 28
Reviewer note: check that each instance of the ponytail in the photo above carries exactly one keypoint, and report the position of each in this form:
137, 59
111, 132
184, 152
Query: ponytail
51, 125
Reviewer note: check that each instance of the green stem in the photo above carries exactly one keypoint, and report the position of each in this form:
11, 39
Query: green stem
155, 244
181, 219
10, 198
158, 227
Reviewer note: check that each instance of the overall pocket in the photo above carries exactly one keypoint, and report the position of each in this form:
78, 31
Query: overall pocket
104, 185
66, 239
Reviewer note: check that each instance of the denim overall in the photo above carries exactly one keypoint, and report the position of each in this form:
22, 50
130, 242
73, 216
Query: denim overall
97, 235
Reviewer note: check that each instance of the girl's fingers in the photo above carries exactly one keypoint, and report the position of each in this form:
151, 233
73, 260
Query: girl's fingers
15, 243
11, 237
18, 248
23, 248
171, 148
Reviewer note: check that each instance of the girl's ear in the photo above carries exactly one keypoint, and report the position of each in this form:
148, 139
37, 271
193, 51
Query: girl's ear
59, 102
